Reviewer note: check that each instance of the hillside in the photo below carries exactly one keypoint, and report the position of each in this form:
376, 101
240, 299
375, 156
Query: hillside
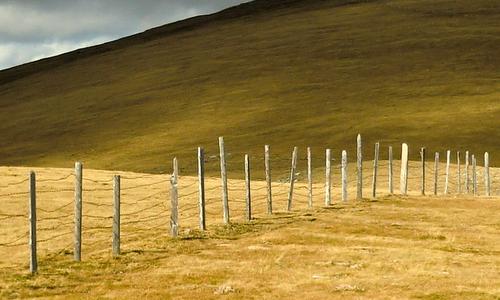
305, 73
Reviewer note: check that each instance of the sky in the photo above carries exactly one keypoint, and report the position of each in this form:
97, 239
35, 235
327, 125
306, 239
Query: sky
34, 29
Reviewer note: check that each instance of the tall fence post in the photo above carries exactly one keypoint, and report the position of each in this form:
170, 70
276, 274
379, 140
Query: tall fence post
78, 210
174, 200
267, 162
201, 188
344, 176
487, 180
248, 196
404, 170
474, 175
32, 219
436, 172
459, 174
292, 178
328, 177
116, 215
467, 178
375, 170
422, 160
223, 175
391, 180
309, 178
447, 172
359, 165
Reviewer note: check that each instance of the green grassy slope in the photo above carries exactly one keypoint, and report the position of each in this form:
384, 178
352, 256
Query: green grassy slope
306, 73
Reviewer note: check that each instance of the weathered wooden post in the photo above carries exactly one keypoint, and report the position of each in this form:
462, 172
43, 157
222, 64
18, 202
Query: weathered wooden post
309, 178
223, 175
447, 175
201, 188
174, 198
78, 210
116, 215
467, 179
375, 170
328, 177
474, 175
459, 174
292, 177
344, 176
487, 180
32, 220
248, 196
436, 172
422, 160
267, 162
404, 170
391, 183
359, 165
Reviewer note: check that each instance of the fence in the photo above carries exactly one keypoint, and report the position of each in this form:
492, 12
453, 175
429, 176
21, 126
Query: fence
89, 213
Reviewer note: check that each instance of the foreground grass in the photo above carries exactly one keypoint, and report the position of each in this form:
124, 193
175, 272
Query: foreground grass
424, 248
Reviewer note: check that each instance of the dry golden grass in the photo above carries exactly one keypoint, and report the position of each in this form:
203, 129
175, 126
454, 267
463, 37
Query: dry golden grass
392, 247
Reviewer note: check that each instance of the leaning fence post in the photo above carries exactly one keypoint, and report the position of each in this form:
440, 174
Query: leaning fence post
309, 178
474, 175
267, 162
391, 184
467, 179
422, 159
404, 170
174, 200
78, 211
487, 180
201, 188
447, 173
248, 196
32, 219
328, 177
436, 172
459, 174
359, 165
375, 170
116, 215
223, 175
292, 178
344, 176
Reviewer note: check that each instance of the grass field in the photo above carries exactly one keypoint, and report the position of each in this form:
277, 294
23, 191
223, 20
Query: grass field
392, 247
306, 73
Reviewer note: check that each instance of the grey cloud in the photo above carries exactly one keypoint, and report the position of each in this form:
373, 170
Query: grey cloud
31, 29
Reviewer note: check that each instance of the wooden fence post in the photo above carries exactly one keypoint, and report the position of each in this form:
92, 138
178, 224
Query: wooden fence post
404, 170
474, 175
116, 215
459, 174
467, 179
174, 200
309, 177
422, 159
267, 161
344, 176
32, 220
292, 178
436, 172
328, 177
223, 175
391, 183
201, 188
375, 170
447, 173
248, 196
487, 180
78, 210
359, 165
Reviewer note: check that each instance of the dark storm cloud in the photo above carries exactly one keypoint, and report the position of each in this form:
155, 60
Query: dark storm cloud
32, 29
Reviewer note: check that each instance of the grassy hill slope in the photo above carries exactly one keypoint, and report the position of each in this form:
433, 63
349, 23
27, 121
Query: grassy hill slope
307, 73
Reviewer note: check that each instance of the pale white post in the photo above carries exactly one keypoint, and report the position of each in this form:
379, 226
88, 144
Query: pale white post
328, 178
344, 175
447, 174
404, 170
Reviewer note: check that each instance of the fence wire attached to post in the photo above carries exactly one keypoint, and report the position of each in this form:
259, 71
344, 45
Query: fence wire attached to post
223, 175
